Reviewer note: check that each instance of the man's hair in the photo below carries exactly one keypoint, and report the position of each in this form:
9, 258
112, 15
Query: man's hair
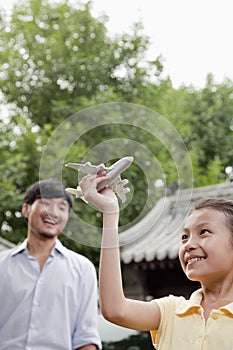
224, 206
48, 188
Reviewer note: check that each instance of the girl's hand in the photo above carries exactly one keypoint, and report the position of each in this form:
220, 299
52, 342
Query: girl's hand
105, 200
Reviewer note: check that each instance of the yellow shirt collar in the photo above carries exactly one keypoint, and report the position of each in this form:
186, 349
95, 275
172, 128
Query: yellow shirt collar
193, 305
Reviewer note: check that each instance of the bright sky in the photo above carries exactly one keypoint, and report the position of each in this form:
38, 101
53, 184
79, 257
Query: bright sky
193, 36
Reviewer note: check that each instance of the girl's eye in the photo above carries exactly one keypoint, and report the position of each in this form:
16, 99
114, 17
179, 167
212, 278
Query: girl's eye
184, 237
204, 231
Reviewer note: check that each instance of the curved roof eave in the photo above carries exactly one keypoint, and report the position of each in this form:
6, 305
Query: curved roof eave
156, 236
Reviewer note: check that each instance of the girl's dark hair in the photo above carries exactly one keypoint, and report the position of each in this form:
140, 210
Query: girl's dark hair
48, 188
224, 206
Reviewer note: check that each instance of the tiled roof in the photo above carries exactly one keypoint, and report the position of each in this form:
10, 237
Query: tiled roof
157, 235
4, 244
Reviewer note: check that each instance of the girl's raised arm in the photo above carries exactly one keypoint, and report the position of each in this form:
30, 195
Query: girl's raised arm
115, 307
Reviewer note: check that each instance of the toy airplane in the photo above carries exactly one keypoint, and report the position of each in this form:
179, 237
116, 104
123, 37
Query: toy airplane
113, 172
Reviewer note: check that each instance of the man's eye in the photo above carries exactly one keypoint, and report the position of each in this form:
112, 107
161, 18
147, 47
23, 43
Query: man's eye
63, 207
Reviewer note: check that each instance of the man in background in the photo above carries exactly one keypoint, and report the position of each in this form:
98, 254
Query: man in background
48, 293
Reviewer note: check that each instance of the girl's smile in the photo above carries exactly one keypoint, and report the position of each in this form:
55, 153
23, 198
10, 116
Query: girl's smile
206, 251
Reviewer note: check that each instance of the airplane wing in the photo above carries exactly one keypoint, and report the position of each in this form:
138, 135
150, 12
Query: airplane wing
118, 187
87, 168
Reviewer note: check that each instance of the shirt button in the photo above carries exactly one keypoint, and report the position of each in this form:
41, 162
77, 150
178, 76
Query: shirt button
215, 316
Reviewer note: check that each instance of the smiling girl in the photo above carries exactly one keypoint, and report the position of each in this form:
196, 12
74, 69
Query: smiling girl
203, 322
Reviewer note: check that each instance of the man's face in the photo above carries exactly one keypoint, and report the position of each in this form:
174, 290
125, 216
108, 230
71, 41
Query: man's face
47, 217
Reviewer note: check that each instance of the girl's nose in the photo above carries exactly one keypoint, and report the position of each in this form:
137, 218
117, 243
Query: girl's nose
191, 243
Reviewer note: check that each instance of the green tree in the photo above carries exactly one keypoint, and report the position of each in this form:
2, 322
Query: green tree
203, 118
55, 57
55, 60
20, 154
211, 128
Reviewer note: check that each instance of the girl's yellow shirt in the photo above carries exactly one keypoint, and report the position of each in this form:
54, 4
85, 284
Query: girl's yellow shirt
183, 326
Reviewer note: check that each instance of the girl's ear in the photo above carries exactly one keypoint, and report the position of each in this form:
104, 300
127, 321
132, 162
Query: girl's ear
26, 210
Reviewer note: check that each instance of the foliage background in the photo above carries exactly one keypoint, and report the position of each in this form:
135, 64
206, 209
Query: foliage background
56, 60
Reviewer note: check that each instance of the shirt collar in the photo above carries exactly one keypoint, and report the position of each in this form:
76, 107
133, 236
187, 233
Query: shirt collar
228, 309
19, 248
193, 305
190, 306
58, 247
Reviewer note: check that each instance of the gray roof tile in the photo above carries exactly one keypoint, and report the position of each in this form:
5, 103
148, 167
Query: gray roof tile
4, 244
157, 235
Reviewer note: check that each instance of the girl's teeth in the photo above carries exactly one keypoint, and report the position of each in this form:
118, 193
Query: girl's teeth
195, 259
